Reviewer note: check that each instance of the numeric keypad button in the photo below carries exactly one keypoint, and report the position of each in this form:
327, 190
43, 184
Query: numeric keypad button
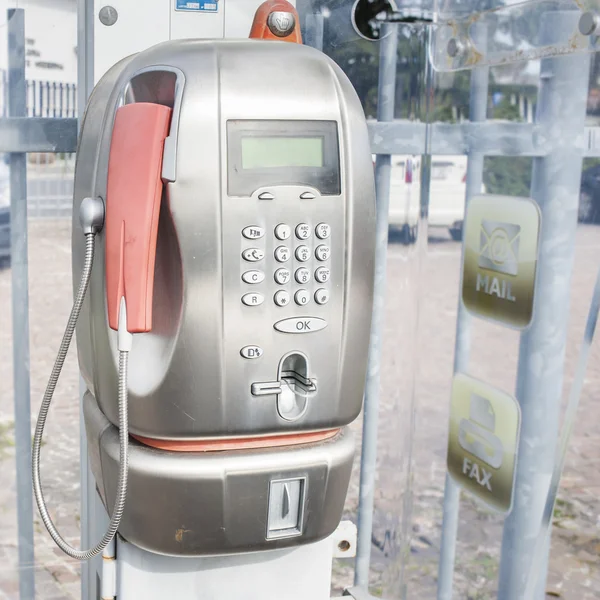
253, 254
322, 296
282, 276
322, 274
322, 252
323, 231
302, 297
281, 298
303, 231
302, 275
302, 253
283, 231
282, 254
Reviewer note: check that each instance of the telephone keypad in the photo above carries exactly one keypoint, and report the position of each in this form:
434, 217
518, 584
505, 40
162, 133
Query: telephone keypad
302, 253
282, 276
322, 252
322, 274
303, 231
281, 298
282, 254
302, 275
302, 297
302, 271
283, 231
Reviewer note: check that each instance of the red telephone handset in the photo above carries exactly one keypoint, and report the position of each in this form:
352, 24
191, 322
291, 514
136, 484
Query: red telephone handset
133, 198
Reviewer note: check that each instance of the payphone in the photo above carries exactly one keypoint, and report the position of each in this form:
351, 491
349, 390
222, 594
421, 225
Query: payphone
223, 327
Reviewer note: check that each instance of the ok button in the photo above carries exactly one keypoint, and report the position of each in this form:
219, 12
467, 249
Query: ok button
300, 325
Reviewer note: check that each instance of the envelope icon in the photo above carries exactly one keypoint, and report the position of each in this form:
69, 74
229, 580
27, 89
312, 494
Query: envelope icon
499, 246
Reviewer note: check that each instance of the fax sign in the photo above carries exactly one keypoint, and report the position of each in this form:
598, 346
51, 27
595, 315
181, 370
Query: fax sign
483, 441
197, 5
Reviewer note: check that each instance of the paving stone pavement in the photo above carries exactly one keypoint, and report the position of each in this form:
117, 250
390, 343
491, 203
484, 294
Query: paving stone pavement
412, 436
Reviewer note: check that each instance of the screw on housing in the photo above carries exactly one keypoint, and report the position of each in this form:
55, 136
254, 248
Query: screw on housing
456, 47
281, 23
588, 23
108, 15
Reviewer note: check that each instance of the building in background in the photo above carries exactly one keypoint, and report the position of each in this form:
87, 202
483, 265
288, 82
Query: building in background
51, 39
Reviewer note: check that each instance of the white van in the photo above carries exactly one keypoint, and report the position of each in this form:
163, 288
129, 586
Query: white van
446, 198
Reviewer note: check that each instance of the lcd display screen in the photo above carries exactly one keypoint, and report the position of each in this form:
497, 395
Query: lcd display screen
271, 153
262, 152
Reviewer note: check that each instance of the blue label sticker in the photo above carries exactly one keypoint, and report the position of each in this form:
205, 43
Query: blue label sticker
197, 5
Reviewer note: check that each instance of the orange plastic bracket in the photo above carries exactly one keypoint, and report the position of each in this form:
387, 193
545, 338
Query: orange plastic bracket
133, 197
247, 443
260, 29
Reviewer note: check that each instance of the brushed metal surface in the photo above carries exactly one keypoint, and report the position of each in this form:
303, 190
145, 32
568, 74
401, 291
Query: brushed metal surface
193, 504
188, 378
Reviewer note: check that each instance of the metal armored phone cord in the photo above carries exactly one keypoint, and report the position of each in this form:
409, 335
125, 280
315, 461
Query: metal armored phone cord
92, 220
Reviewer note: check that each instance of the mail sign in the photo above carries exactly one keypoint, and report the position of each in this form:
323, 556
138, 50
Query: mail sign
500, 259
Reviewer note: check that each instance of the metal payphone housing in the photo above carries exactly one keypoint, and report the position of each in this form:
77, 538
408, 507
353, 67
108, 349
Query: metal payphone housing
188, 378
193, 377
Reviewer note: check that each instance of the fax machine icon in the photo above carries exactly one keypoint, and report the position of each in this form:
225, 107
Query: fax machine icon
477, 433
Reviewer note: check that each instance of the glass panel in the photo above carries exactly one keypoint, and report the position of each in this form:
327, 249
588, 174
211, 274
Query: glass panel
493, 553
514, 32
423, 545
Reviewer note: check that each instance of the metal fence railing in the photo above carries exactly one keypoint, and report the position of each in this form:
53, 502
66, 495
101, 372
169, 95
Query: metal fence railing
43, 98
49, 175
50, 185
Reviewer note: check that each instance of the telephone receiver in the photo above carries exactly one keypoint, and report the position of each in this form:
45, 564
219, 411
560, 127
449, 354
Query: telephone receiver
133, 198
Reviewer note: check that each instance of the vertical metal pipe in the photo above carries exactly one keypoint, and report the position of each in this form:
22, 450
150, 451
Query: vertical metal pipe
386, 99
17, 95
85, 84
478, 100
555, 186
4, 95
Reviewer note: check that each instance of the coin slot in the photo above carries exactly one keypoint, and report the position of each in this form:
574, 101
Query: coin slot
296, 386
